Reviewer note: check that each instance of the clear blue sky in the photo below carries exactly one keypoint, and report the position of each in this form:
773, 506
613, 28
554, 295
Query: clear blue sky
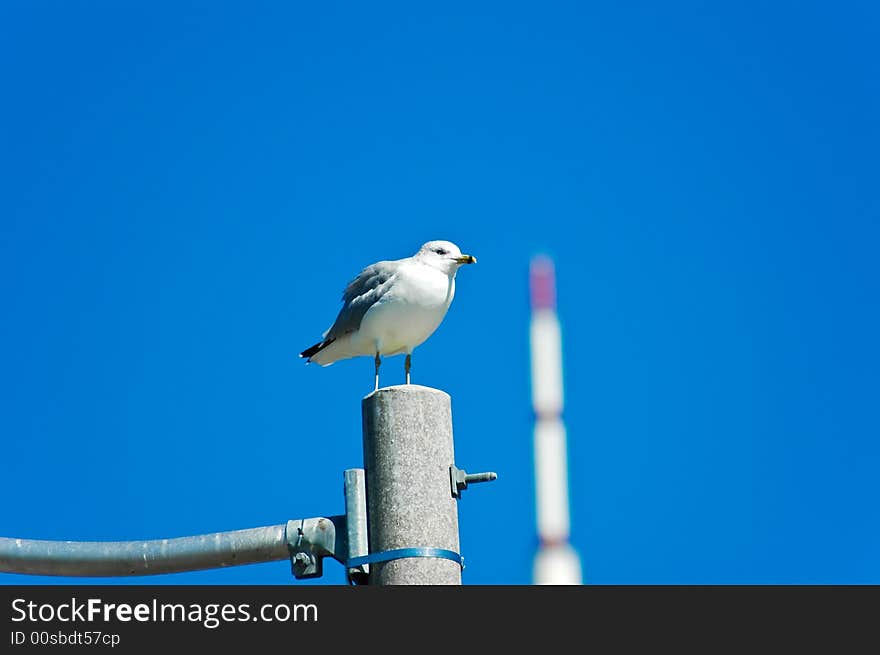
186, 188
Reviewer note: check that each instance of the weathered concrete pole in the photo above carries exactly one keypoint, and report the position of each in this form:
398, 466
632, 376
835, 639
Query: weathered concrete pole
407, 454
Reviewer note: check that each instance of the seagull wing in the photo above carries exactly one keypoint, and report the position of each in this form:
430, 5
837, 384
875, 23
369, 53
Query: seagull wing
362, 293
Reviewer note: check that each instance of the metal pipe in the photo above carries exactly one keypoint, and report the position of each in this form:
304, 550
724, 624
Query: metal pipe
408, 452
127, 558
356, 521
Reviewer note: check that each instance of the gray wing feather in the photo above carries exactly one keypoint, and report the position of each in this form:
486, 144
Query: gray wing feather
361, 293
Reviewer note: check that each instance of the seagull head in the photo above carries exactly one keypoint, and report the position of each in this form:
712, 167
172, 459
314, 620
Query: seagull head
444, 255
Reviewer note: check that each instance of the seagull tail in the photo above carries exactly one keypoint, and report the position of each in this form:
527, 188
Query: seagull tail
308, 353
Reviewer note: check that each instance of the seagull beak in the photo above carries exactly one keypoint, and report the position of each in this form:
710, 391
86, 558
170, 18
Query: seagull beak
466, 259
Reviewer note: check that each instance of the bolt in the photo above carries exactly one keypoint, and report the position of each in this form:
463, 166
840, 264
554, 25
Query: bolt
302, 560
461, 479
472, 478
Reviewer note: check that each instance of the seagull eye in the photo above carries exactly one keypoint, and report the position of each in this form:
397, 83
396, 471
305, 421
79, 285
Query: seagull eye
441, 251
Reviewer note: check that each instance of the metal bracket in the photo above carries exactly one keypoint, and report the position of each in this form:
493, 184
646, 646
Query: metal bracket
459, 479
343, 538
309, 541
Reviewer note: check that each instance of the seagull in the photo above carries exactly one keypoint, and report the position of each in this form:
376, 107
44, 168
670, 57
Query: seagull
392, 306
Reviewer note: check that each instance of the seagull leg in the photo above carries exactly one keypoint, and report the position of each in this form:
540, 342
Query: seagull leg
378, 362
407, 364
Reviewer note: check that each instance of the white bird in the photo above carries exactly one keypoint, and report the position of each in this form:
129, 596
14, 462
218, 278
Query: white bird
392, 307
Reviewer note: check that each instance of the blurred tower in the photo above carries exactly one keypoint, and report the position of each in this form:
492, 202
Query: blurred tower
556, 562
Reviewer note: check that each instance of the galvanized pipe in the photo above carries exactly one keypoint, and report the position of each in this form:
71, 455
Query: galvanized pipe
127, 558
356, 522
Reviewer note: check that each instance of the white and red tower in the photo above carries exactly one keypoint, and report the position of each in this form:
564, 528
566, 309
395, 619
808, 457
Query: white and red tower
556, 562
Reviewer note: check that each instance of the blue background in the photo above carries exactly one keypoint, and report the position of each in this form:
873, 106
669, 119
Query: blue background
185, 189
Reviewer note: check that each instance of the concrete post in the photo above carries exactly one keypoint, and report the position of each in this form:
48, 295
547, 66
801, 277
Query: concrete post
407, 454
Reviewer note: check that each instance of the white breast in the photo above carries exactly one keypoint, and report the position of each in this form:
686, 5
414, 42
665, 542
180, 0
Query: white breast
409, 313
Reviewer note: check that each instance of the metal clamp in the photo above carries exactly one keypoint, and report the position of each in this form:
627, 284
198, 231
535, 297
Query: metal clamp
309, 541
